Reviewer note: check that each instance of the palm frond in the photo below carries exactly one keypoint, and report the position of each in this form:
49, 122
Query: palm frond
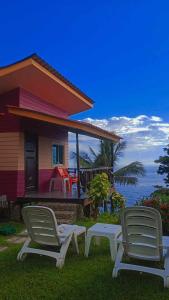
125, 180
135, 168
85, 160
108, 157
93, 152
118, 150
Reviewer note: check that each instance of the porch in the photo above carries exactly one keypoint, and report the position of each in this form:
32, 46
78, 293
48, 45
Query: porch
57, 199
73, 196
54, 196
40, 132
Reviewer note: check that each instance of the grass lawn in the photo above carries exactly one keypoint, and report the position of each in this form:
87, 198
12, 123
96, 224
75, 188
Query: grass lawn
81, 278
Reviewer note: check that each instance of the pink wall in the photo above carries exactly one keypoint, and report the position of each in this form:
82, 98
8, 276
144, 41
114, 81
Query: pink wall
44, 179
9, 98
12, 181
8, 184
8, 122
29, 101
20, 183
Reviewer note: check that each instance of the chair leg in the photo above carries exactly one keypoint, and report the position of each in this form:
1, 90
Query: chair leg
113, 248
118, 260
60, 263
22, 253
87, 245
166, 282
75, 243
166, 268
61, 258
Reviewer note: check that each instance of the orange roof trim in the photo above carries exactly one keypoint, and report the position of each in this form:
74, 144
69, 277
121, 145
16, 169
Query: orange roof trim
71, 125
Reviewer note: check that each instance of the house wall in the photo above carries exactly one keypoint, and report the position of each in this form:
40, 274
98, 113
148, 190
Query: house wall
11, 164
11, 148
46, 167
9, 98
12, 173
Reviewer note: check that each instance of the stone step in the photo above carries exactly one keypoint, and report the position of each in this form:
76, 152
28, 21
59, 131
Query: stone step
60, 206
65, 221
65, 212
60, 214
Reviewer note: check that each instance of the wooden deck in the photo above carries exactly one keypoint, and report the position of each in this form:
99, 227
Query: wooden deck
55, 196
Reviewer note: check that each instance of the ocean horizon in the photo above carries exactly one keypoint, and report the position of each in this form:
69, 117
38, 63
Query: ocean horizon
144, 187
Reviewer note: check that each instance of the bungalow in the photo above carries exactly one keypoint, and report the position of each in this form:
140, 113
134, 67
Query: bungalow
35, 105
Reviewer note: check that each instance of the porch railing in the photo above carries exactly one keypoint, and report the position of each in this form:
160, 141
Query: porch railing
87, 174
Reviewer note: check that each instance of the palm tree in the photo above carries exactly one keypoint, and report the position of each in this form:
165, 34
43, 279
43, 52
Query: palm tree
108, 156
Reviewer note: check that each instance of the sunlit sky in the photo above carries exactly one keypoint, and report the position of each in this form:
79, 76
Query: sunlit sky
115, 51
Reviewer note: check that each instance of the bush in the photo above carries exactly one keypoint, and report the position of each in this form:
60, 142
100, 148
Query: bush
99, 188
118, 201
161, 203
161, 191
7, 229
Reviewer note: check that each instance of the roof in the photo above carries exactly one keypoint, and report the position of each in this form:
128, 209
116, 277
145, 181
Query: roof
71, 125
37, 76
47, 66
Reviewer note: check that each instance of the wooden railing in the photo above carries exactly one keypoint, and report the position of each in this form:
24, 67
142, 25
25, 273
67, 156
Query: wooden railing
4, 207
87, 174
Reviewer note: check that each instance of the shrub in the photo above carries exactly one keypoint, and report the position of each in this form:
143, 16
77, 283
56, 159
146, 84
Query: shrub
99, 188
118, 201
7, 229
161, 191
162, 205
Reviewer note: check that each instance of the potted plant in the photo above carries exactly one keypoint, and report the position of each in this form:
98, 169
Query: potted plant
98, 192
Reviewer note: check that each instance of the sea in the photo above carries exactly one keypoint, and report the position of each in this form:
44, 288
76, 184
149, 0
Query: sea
144, 187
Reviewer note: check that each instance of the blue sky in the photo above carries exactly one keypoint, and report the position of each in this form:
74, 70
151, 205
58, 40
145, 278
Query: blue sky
115, 51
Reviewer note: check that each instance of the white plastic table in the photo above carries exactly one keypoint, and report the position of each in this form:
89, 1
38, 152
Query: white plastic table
112, 232
78, 230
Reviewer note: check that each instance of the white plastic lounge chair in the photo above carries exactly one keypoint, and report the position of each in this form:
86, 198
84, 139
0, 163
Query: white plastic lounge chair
42, 229
142, 239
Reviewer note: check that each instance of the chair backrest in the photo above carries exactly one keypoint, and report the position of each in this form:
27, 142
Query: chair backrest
61, 172
142, 233
41, 224
66, 173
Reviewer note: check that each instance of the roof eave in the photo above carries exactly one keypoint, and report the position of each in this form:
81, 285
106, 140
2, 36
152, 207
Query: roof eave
74, 126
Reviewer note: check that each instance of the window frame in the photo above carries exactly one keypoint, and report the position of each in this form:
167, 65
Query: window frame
59, 148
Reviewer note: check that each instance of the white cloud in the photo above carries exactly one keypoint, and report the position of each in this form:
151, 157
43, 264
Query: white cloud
156, 119
145, 135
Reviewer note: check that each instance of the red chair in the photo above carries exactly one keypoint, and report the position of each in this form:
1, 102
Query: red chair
67, 179
72, 177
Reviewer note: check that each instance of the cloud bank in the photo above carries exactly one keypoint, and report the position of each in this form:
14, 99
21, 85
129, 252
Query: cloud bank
145, 135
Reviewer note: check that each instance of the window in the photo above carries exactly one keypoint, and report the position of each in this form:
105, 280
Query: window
57, 154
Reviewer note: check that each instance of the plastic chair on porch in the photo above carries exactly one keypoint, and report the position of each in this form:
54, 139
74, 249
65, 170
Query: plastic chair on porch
66, 183
67, 179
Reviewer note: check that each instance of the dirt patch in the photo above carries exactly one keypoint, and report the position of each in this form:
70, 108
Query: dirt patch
3, 248
16, 240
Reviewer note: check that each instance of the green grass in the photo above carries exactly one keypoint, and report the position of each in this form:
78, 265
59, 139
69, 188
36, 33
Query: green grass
81, 278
